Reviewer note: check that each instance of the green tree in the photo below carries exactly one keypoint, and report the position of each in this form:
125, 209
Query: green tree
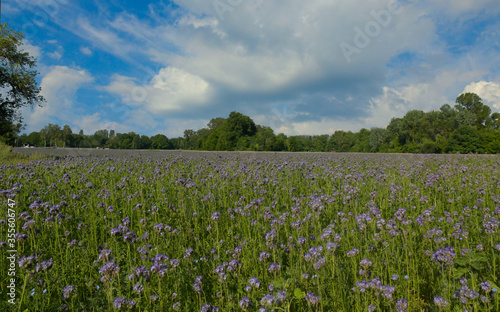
160, 141
473, 103
466, 139
378, 136
18, 86
66, 135
494, 121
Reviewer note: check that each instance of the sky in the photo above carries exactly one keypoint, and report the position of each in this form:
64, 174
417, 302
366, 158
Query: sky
299, 67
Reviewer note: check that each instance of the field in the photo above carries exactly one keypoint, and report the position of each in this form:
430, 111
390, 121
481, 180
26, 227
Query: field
180, 231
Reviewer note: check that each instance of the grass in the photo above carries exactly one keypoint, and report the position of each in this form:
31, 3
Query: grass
232, 232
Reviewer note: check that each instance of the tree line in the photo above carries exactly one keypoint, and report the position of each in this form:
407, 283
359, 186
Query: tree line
468, 127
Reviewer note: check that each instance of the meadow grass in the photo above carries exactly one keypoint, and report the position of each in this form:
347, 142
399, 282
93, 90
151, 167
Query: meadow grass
254, 232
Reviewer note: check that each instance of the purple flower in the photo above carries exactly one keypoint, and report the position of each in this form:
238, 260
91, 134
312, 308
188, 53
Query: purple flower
440, 302
274, 267
401, 305
244, 303
215, 216
365, 264
353, 252
119, 302
138, 288
486, 286
281, 295
68, 291
267, 300
444, 255
312, 299
254, 281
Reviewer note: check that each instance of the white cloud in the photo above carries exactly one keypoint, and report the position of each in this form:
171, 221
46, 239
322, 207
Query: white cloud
55, 55
33, 51
58, 87
86, 50
171, 90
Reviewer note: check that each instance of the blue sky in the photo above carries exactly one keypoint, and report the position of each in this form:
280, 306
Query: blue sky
304, 67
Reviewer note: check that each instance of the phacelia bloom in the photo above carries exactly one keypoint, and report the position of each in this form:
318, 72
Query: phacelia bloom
312, 299
372, 308
206, 307
109, 269
44, 265
486, 286
440, 302
138, 288
215, 216
444, 255
401, 305
331, 246
264, 256
353, 252
104, 255
281, 295
267, 300
244, 303
176, 306
131, 303
68, 291
274, 267
153, 297
365, 264
174, 263
319, 264
116, 232
198, 284
188, 253
387, 292
254, 281
119, 302
142, 271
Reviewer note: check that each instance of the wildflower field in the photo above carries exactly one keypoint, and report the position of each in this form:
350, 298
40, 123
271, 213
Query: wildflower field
183, 231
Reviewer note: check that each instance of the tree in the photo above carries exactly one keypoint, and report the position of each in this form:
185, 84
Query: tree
378, 136
18, 86
66, 135
473, 103
466, 139
160, 141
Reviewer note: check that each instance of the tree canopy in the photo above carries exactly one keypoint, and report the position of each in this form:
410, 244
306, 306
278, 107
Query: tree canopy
18, 86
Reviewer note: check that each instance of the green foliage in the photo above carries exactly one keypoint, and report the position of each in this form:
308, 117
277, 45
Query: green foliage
472, 102
466, 139
18, 86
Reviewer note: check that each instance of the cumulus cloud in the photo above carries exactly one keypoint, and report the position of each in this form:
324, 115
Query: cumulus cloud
59, 87
171, 90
